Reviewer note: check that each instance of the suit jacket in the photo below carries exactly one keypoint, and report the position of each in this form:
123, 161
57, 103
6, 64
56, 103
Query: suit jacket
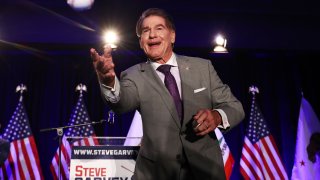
164, 138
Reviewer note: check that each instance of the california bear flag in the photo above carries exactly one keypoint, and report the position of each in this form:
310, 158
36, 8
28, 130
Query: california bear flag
307, 160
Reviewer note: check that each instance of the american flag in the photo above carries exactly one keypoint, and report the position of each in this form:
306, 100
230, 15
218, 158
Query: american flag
23, 160
260, 157
79, 116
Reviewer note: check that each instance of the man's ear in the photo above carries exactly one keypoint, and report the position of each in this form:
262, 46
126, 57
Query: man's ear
173, 37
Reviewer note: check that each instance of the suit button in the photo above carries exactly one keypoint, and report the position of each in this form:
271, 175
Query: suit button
181, 159
178, 156
182, 132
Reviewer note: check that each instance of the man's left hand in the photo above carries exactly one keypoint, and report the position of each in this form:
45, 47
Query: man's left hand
207, 120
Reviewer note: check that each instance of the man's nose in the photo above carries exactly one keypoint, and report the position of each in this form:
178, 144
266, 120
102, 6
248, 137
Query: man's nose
153, 33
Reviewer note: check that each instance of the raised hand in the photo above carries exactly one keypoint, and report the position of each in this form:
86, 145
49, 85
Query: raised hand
104, 66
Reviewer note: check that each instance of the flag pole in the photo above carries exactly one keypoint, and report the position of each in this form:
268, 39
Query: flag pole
21, 88
111, 114
253, 90
60, 134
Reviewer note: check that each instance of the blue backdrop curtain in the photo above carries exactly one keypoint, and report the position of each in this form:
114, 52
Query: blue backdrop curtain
52, 75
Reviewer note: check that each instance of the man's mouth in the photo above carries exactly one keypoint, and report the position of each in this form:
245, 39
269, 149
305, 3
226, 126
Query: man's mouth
154, 44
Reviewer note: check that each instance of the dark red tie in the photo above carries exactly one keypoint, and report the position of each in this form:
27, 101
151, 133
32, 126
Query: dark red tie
171, 85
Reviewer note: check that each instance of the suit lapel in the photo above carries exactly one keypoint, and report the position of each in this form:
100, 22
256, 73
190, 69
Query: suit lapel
153, 79
187, 80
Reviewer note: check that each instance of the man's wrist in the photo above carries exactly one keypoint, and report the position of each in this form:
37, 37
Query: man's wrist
217, 117
107, 83
112, 89
111, 93
224, 123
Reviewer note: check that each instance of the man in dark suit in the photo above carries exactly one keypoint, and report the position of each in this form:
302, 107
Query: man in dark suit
181, 100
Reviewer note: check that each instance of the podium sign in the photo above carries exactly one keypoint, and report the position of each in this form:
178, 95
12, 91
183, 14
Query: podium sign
103, 162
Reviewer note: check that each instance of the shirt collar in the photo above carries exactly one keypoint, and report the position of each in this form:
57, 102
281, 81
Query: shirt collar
172, 61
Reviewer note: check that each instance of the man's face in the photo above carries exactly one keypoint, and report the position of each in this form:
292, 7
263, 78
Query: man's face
156, 39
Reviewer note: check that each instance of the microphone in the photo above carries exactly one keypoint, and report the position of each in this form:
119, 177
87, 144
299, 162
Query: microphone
97, 122
102, 121
111, 117
71, 139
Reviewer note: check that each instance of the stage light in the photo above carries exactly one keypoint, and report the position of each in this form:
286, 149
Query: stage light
80, 5
111, 38
220, 44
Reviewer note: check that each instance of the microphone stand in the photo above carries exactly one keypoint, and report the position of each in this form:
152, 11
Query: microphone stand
60, 135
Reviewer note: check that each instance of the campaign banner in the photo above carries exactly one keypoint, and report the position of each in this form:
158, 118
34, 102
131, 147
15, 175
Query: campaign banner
103, 162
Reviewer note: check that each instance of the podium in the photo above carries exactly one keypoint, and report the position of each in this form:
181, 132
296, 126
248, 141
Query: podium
112, 158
